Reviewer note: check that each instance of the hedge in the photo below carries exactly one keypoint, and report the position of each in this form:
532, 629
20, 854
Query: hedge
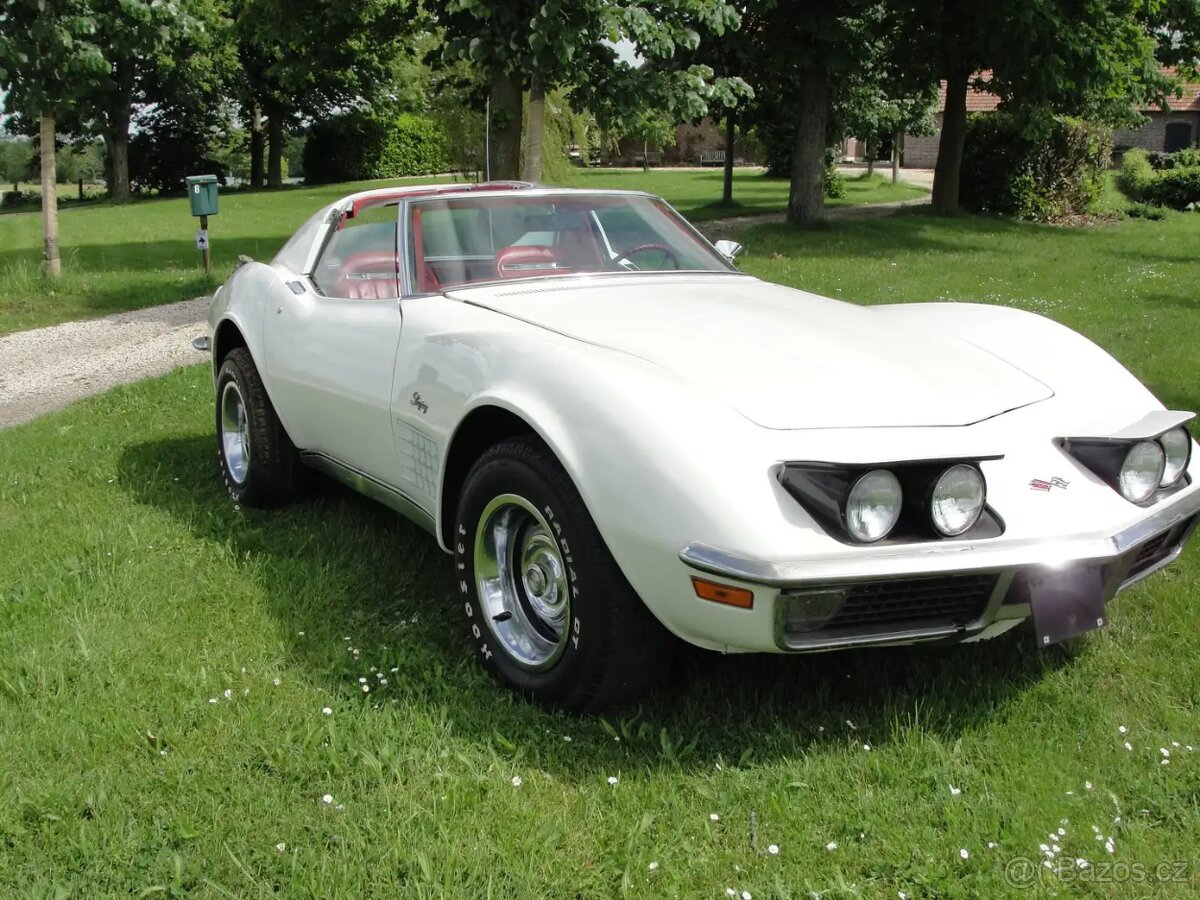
1004, 170
1162, 179
358, 146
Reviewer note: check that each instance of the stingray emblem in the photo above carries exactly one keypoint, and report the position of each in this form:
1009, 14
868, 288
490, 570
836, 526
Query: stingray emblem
1039, 484
420, 404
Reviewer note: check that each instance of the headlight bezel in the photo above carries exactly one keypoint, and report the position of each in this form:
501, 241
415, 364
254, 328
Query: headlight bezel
1105, 458
823, 489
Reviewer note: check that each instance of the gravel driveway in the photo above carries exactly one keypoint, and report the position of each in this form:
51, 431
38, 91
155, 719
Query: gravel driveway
47, 368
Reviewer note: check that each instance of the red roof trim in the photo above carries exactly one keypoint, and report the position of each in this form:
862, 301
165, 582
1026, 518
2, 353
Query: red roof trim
433, 190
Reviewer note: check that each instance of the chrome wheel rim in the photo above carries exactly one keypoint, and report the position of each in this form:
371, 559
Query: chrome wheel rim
235, 432
522, 582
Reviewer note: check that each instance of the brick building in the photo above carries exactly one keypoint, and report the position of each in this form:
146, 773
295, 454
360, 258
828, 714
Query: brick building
1164, 130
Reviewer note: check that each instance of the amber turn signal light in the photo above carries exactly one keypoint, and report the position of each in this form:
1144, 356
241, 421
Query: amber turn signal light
723, 593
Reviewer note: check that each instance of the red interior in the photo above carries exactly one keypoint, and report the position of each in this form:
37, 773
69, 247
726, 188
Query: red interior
380, 264
523, 262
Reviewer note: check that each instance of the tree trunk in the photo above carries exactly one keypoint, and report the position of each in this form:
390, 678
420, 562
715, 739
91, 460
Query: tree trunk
275, 149
505, 143
870, 158
256, 146
806, 201
897, 138
118, 149
535, 129
730, 133
950, 147
51, 264
646, 155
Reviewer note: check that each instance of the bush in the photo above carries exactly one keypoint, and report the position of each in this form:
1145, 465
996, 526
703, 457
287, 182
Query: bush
835, 182
1006, 171
1163, 179
1145, 211
359, 146
1176, 188
1136, 174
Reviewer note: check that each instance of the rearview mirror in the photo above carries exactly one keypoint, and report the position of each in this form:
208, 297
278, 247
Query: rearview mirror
728, 249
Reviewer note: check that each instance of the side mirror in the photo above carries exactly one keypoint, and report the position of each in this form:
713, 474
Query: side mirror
728, 249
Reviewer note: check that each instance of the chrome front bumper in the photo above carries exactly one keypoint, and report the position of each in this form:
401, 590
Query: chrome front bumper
1122, 559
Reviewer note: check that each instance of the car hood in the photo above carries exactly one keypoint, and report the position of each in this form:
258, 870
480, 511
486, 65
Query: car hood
783, 358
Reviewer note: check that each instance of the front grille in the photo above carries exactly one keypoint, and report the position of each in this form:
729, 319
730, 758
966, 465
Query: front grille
945, 599
1152, 551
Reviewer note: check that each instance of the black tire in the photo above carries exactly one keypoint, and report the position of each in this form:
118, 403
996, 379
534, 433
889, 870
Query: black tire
615, 649
273, 473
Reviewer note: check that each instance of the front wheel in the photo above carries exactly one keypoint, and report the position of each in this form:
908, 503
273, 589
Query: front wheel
548, 609
259, 464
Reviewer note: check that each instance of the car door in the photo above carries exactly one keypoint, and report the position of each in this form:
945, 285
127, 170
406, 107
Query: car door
332, 343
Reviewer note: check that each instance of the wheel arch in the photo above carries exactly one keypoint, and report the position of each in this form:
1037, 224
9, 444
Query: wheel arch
481, 429
227, 338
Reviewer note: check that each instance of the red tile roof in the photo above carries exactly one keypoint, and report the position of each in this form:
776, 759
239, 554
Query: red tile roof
1189, 102
981, 101
977, 100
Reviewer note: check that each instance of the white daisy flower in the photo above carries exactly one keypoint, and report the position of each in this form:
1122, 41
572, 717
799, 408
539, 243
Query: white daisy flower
1088, 785
652, 866
516, 781
1128, 746
612, 780
326, 711
327, 799
746, 895
280, 847
212, 700
1062, 832
228, 693
382, 681
832, 845
773, 849
954, 791
276, 682
366, 688
991, 845
362, 681
963, 853
1164, 751
713, 817
1122, 729
730, 892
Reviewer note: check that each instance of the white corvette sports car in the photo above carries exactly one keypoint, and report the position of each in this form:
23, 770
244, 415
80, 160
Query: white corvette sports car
623, 441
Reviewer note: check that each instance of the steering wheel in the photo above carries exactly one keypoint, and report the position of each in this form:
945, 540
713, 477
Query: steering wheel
638, 248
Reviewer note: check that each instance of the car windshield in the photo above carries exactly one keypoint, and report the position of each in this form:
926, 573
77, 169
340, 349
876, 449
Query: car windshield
469, 240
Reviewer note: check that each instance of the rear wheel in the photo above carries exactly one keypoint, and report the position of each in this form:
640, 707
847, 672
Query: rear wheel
548, 608
259, 464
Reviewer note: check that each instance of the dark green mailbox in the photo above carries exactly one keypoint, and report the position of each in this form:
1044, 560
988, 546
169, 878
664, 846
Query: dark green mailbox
202, 193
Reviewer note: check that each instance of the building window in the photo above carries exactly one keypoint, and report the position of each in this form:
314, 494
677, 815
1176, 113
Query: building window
1179, 136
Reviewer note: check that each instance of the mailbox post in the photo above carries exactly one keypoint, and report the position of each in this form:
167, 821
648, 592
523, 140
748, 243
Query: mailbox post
202, 194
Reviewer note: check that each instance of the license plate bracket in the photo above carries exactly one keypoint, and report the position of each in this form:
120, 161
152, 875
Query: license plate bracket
1065, 604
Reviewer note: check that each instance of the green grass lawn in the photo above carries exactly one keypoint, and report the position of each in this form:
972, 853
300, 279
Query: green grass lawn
143, 253
166, 660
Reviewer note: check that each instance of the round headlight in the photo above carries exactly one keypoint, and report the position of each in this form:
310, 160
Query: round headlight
873, 506
1177, 448
1142, 471
957, 500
